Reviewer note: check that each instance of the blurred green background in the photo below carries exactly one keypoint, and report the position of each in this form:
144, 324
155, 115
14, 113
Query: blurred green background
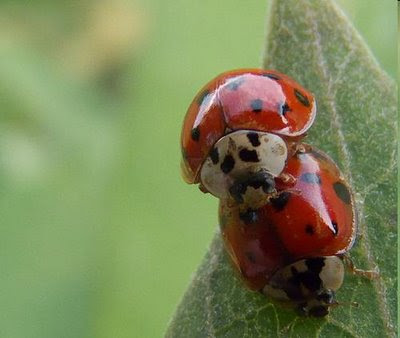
99, 234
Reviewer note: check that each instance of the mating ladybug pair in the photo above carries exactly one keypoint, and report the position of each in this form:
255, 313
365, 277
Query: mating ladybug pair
286, 213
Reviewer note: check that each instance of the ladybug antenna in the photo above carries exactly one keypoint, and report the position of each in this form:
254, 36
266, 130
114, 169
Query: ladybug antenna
336, 303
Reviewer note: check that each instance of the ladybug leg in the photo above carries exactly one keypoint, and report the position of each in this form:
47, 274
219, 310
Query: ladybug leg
287, 178
336, 303
370, 274
203, 189
302, 148
360, 234
298, 147
285, 192
249, 216
295, 148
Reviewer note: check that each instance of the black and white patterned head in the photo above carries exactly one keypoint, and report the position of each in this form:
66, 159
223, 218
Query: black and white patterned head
244, 162
310, 283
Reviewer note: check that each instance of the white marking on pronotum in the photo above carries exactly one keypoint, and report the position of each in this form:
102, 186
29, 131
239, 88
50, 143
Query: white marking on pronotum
270, 155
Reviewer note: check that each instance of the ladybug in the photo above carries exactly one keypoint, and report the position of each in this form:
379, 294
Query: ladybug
292, 247
240, 130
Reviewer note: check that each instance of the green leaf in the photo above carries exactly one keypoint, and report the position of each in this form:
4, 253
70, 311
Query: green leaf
313, 42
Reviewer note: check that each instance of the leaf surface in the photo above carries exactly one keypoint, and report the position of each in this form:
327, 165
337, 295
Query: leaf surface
314, 42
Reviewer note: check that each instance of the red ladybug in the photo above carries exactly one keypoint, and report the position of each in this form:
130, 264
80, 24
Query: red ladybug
290, 248
260, 106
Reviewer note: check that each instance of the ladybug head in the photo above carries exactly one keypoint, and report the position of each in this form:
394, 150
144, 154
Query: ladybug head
310, 283
242, 165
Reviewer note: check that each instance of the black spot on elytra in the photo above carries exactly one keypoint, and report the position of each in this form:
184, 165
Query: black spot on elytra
250, 257
303, 99
247, 155
315, 264
195, 134
335, 228
254, 139
280, 202
342, 192
249, 216
202, 96
272, 76
235, 83
284, 108
256, 105
312, 178
214, 155
228, 164
309, 229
